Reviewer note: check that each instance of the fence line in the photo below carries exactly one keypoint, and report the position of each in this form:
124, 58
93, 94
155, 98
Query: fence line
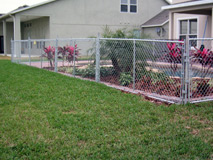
167, 70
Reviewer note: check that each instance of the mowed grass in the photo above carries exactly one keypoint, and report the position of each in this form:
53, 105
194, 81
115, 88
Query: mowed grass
45, 115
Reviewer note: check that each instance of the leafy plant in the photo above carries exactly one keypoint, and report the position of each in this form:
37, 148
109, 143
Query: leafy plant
107, 71
205, 58
174, 55
120, 52
87, 72
49, 53
125, 79
68, 53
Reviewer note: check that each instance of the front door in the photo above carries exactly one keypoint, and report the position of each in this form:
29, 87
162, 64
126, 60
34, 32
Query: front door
1, 44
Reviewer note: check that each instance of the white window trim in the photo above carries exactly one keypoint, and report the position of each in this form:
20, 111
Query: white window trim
186, 18
128, 6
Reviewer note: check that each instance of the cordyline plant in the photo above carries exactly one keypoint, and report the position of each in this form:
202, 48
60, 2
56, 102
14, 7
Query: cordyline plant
49, 53
68, 53
73, 52
204, 57
174, 55
65, 53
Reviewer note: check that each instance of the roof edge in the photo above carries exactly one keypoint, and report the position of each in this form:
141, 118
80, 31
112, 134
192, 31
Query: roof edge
187, 4
155, 25
27, 8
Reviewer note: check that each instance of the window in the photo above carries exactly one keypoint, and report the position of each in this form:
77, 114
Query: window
129, 6
188, 28
124, 5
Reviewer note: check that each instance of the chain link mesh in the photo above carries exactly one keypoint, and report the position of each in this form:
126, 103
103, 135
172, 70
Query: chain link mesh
201, 71
155, 68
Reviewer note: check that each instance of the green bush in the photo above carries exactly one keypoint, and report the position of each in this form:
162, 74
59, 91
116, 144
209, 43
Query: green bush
125, 79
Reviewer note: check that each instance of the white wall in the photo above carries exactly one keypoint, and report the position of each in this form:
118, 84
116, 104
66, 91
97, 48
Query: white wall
84, 18
39, 29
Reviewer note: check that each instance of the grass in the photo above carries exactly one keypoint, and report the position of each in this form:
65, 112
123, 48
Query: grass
44, 115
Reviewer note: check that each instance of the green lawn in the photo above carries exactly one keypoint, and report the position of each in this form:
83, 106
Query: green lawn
45, 115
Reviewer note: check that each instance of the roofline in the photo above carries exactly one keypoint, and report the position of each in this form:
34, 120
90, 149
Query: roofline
9, 14
188, 4
155, 25
168, 1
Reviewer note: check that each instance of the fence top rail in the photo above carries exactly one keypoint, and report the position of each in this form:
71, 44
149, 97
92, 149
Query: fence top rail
200, 38
59, 39
144, 40
93, 39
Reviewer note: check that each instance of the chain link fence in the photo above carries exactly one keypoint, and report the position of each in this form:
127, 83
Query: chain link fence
201, 71
156, 68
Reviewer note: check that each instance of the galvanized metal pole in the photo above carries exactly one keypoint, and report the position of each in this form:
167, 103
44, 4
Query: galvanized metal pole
29, 50
41, 47
97, 68
12, 51
153, 49
134, 61
189, 72
186, 73
74, 59
56, 55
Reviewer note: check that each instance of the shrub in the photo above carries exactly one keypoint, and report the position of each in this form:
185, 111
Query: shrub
125, 79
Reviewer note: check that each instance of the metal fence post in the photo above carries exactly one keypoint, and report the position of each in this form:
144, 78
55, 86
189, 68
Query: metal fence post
97, 69
12, 51
41, 46
29, 50
185, 72
56, 55
134, 52
74, 58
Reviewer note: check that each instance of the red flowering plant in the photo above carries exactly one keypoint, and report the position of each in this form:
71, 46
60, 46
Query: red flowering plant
174, 55
72, 52
62, 52
204, 57
49, 53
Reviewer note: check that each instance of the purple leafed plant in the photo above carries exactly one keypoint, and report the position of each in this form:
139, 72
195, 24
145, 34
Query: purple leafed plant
73, 52
49, 53
68, 53
204, 57
174, 55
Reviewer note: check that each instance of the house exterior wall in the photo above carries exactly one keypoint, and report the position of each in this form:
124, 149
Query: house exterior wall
83, 18
1, 29
151, 32
36, 29
201, 19
10, 33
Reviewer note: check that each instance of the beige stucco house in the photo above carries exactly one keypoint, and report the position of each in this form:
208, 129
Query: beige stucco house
191, 18
75, 18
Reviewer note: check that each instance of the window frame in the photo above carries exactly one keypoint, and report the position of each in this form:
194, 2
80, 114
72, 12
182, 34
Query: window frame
188, 19
188, 27
129, 6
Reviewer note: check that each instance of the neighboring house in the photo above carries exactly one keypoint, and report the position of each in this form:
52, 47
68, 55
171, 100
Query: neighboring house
192, 19
1, 37
158, 26
76, 18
